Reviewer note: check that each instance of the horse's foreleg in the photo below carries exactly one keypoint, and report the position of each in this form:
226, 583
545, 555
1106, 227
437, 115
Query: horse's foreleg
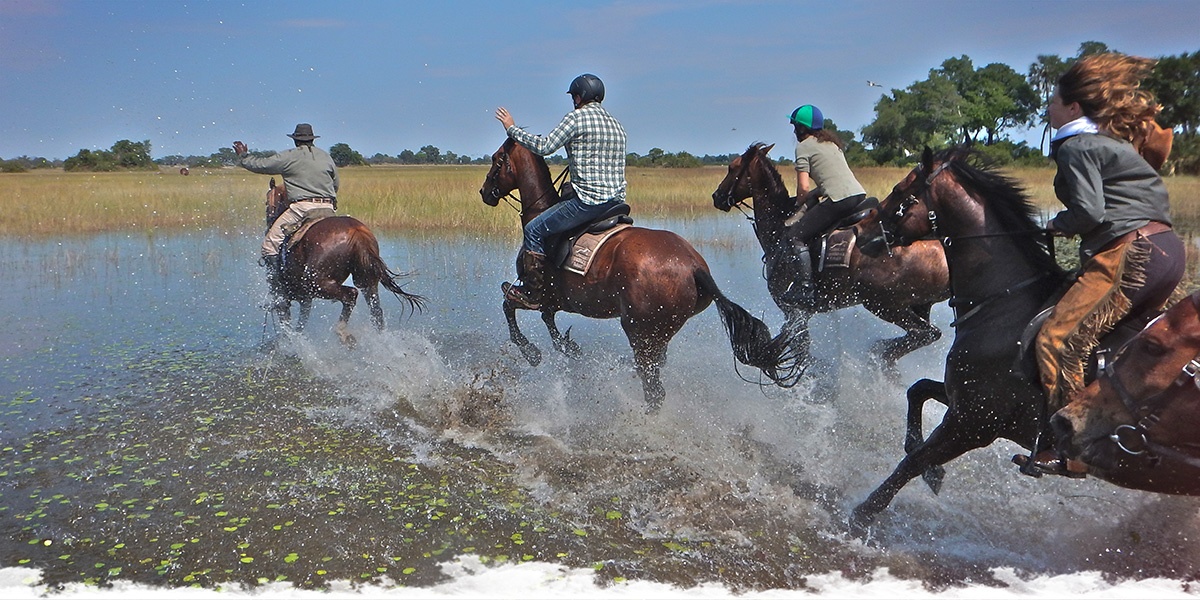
305, 311
528, 350
948, 441
562, 341
918, 393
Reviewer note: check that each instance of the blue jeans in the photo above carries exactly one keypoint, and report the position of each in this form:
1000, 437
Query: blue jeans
559, 218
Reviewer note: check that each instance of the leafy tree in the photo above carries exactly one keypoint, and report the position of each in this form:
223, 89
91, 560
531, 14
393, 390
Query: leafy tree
432, 155
132, 155
1175, 83
1043, 77
991, 98
343, 155
86, 160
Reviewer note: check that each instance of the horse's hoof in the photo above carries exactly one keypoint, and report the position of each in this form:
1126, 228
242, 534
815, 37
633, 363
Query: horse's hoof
933, 477
531, 354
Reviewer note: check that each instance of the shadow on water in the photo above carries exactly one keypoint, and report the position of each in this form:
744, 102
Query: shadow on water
158, 428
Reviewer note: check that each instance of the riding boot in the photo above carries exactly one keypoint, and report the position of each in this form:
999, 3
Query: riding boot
274, 275
533, 278
800, 290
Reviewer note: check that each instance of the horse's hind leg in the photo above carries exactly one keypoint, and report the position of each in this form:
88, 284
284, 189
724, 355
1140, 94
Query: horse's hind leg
649, 343
919, 332
371, 295
562, 341
918, 393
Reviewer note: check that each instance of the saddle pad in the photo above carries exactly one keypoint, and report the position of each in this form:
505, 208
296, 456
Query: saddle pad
309, 219
585, 249
837, 250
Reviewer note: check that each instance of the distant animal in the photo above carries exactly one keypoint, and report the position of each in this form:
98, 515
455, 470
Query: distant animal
652, 280
899, 287
321, 256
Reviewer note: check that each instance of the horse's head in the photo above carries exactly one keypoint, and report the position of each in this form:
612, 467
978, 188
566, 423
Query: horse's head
740, 181
1136, 425
908, 213
501, 179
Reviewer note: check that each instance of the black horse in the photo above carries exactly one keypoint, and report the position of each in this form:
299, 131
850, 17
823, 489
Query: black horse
1002, 274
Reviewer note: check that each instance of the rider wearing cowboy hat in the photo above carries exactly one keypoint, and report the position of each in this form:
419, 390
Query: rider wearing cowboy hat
311, 181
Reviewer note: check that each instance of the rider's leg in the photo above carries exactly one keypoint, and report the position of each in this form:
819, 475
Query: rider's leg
557, 219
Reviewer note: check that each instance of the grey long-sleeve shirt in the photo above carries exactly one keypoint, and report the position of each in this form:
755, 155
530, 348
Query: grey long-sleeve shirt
308, 171
1108, 190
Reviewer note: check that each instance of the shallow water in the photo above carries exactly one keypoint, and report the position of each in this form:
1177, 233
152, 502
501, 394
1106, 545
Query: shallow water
160, 430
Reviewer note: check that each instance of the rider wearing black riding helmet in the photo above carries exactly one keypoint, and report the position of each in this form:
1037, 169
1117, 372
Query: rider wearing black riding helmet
595, 144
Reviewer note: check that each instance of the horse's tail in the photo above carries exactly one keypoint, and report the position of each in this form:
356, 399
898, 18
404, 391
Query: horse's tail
372, 263
751, 339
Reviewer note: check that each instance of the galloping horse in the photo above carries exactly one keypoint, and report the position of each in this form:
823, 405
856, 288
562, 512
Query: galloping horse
331, 250
1136, 425
652, 280
900, 287
1002, 273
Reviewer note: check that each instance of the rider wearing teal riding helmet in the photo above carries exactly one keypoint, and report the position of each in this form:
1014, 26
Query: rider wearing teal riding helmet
826, 191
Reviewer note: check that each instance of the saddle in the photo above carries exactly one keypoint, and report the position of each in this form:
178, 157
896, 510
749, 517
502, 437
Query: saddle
832, 249
1026, 365
573, 250
294, 233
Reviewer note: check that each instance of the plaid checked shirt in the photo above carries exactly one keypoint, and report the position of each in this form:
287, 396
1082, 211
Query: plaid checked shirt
595, 144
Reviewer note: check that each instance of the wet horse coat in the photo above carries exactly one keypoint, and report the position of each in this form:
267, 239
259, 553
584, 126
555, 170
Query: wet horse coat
900, 287
331, 250
652, 280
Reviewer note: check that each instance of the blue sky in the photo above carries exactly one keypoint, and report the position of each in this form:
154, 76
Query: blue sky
707, 77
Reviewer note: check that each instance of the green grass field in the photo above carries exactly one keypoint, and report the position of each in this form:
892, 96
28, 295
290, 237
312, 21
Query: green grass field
402, 199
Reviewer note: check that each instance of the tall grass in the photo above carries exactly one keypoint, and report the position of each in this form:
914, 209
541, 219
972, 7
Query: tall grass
433, 200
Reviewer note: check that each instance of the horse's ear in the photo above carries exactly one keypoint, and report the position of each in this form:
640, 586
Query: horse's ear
767, 150
927, 158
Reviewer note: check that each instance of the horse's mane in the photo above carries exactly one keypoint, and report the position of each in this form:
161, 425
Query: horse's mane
777, 188
1011, 207
539, 162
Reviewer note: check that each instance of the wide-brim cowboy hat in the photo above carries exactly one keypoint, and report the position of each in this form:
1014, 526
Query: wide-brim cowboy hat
303, 133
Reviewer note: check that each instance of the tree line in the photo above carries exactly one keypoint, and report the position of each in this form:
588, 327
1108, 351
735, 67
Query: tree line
957, 103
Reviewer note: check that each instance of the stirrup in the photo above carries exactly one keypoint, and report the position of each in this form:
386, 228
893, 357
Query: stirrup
516, 295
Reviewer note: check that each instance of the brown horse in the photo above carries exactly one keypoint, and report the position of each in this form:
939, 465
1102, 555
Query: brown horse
331, 250
652, 280
900, 287
1138, 424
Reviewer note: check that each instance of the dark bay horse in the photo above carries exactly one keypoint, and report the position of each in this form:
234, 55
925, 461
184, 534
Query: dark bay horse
332, 250
652, 280
1003, 272
899, 287
1138, 424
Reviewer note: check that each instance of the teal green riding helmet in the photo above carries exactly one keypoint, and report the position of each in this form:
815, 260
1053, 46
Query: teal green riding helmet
808, 116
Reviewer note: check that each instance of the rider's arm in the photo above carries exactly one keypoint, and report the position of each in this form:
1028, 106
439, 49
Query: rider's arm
1079, 185
549, 143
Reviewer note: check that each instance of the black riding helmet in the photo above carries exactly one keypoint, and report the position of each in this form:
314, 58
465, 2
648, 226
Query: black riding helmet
588, 87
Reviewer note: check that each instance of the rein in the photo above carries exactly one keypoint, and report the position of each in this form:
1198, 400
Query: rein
514, 202
1134, 439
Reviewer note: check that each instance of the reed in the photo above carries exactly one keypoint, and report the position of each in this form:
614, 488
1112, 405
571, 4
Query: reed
417, 200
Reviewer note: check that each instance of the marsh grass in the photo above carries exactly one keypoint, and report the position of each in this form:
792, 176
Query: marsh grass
411, 200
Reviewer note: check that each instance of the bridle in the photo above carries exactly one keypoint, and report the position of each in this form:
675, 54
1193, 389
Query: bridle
742, 205
505, 163
892, 238
1134, 439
